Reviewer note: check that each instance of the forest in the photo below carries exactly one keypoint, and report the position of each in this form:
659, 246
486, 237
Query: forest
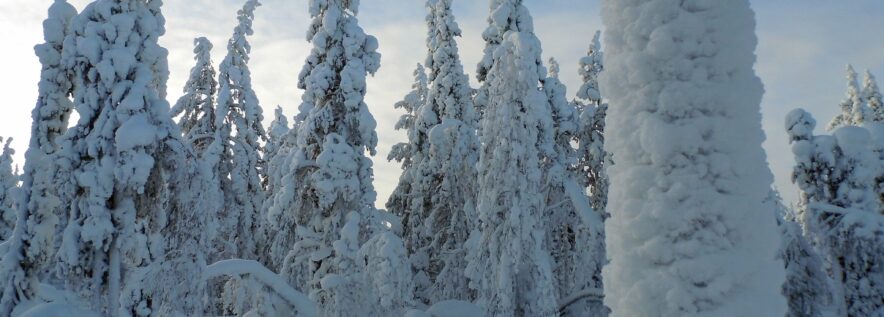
647, 194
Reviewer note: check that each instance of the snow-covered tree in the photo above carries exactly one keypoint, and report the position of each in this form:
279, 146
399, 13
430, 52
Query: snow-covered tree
807, 287
197, 106
405, 201
591, 66
120, 151
240, 133
387, 271
508, 265
853, 108
280, 139
404, 151
576, 247
689, 232
8, 191
329, 176
276, 137
504, 18
872, 95
436, 193
592, 158
561, 217
41, 209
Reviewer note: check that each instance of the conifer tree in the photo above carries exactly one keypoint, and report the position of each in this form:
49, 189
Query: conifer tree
329, 211
807, 288
123, 151
561, 217
197, 106
690, 179
592, 157
280, 139
276, 138
839, 209
590, 168
502, 19
240, 133
45, 180
508, 264
872, 96
853, 108
8, 191
436, 193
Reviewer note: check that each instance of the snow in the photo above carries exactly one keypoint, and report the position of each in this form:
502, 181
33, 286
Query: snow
689, 233
58, 310
304, 306
454, 308
135, 132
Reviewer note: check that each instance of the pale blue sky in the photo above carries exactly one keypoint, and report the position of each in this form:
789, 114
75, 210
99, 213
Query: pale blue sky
804, 47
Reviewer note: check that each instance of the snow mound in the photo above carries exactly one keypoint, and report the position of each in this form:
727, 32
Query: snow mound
454, 308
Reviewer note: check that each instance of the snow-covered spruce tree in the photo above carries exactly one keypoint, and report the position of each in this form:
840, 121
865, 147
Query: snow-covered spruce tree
807, 288
33, 242
857, 246
240, 133
404, 201
592, 157
8, 191
560, 216
504, 18
839, 209
872, 95
853, 108
276, 138
121, 151
280, 139
329, 178
403, 152
436, 195
197, 106
576, 247
698, 239
508, 265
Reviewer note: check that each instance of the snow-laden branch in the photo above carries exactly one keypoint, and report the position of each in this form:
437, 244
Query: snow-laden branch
592, 293
591, 218
237, 267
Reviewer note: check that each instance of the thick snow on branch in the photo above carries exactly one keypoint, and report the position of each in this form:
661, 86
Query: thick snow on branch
254, 269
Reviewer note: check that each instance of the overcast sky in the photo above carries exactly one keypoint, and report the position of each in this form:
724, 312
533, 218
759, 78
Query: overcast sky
804, 47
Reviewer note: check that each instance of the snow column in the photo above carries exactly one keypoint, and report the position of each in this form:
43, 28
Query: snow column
689, 233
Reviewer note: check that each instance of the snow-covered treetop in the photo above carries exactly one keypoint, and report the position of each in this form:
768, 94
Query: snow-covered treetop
800, 125
198, 102
280, 125
413, 101
450, 95
591, 66
563, 113
853, 109
53, 106
317, 6
237, 102
8, 175
872, 96
506, 16
121, 84
334, 77
8, 181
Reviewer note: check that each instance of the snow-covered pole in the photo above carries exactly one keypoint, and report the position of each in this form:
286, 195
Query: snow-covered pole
689, 232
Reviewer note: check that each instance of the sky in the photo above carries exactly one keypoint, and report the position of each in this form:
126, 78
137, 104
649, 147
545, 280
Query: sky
804, 47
